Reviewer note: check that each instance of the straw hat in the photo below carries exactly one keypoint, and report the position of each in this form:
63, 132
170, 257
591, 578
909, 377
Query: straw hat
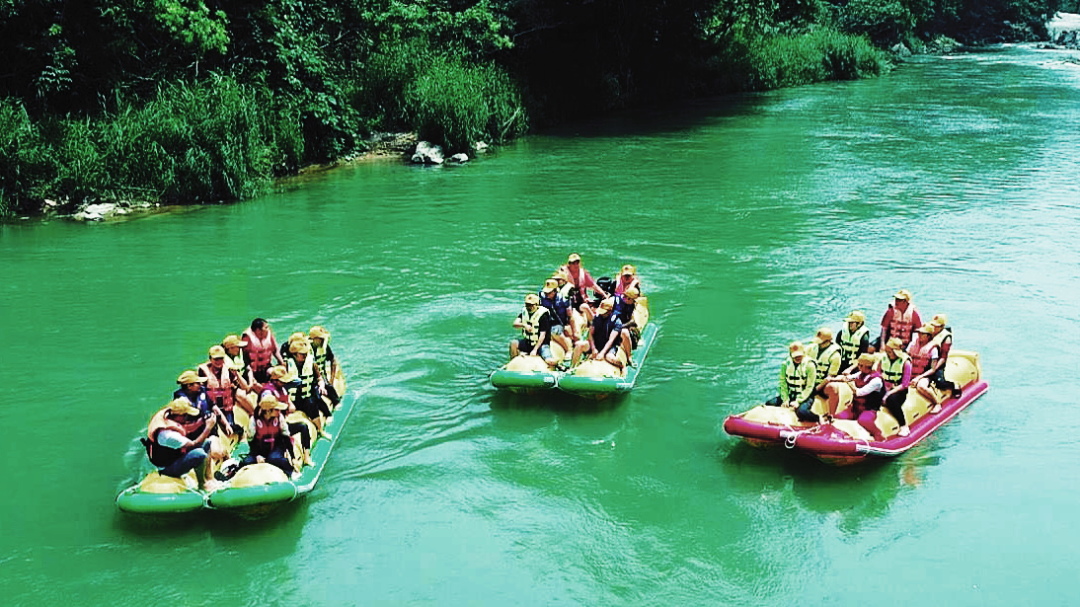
856, 316
269, 402
182, 406
233, 341
824, 334
217, 352
190, 377
318, 332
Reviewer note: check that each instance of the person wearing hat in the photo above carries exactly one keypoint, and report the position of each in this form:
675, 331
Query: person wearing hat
295, 337
867, 388
628, 279
577, 320
580, 279
278, 380
603, 333
178, 440
325, 361
853, 339
797, 375
559, 310
895, 369
222, 383
305, 393
924, 358
261, 349
629, 333
535, 323
941, 336
193, 389
270, 440
899, 320
826, 356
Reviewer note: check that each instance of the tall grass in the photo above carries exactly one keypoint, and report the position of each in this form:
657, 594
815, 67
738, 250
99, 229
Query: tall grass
822, 54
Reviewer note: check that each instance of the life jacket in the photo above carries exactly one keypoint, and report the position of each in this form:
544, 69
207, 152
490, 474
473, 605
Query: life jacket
892, 371
860, 381
821, 359
306, 374
322, 359
160, 455
900, 325
920, 357
238, 363
796, 375
531, 330
219, 389
560, 308
278, 392
621, 286
850, 342
603, 325
201, 402
260, 352
267, 434
939, 341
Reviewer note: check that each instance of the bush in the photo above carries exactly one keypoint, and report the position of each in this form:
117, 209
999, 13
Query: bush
25, 160
457, 104
823, 54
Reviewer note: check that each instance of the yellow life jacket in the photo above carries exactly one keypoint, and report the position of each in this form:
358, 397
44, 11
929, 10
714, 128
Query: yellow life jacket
849, 343
531, 330
797, 374
822, 358
306, 374
892, 371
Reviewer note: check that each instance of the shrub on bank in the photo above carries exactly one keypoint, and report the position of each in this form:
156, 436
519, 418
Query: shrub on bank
823, 54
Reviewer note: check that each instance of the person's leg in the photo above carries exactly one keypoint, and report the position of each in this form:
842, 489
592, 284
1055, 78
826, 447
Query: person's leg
277, 458
774, 402
192, 460
894, 403
804, 413
579, 350
513, 349
868, 420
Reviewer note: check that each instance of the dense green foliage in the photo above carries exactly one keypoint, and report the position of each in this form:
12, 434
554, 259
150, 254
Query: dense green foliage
202, 100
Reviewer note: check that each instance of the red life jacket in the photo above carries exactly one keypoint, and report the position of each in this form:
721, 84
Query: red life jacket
267, 433
861, 381
920, 357
260, 352
219, 389
900, 325
160, 455
621, 286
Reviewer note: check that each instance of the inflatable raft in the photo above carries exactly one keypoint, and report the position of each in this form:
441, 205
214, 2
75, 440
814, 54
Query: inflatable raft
254, 490
843, 442
591, 379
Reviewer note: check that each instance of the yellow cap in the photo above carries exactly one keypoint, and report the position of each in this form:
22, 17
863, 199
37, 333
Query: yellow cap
182, 406
318, 332
628, 270
532, 299
190, 377
895, 343
856, 316
631, 294
867, 359
903, 294
825, 334
217, 352
939, 320
573, 257
269, 402
550, 285
233, 341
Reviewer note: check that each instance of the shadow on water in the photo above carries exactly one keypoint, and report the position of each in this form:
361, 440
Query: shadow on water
586, 418
859, 493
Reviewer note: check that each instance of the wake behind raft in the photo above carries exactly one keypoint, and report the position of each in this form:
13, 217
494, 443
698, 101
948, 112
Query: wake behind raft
842, 442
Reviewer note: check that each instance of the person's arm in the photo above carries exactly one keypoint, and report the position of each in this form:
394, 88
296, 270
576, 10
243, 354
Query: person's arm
612, 336
808, 385
591, 284
784, 394
871, 386
240, 381
864, 344
905, 381
275, 350
930, 368
207, 429
519, 322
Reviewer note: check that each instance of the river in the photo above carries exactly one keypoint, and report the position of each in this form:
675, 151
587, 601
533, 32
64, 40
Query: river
752, 220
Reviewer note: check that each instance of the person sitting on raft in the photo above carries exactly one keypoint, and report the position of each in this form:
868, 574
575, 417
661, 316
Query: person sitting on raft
826, 357
577, 320
269, 434
629, 332
535, 324
628, 279
899, 320
559, 311
178, 440
192, 390
261, 349
221, 385
797, 375
853, 339
867, 389
604, 332
581, 280
234, 352
924, 357
325, 362
943, 339
277, 384
895, 369
305, 394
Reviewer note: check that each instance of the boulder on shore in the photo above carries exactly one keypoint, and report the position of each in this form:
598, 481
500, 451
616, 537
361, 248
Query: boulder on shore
427, 153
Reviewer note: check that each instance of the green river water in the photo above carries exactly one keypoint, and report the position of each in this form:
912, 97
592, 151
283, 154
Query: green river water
752, 221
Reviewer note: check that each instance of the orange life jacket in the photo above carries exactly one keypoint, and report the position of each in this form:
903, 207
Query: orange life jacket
261, 352
900, 325
219, 389
920, 357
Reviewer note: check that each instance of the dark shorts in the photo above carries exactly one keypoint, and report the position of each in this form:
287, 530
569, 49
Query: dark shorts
525, 347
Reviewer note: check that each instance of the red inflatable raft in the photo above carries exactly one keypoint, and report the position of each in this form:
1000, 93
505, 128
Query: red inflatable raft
843, 442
